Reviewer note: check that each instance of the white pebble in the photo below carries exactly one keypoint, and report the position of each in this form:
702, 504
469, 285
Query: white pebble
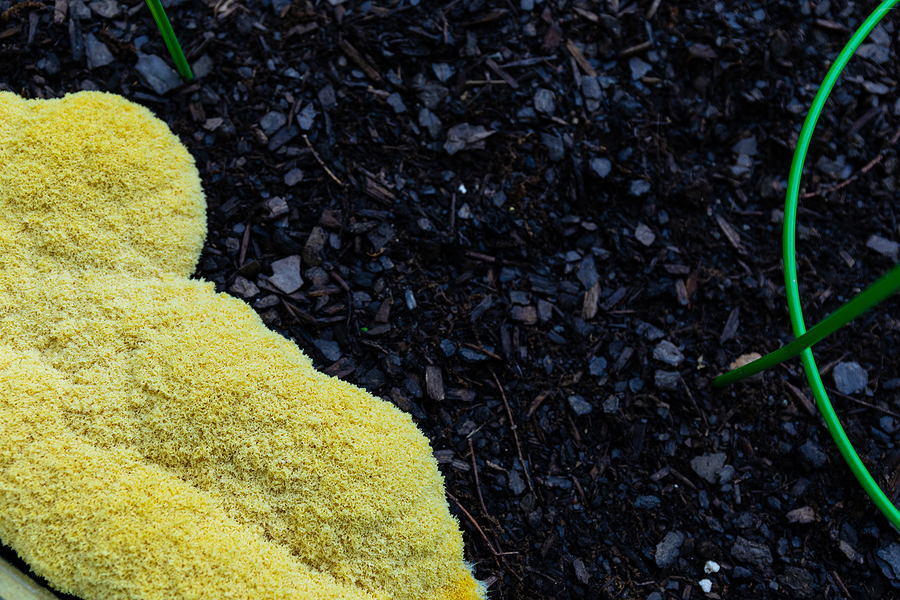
711, 567
706, 585
462, 188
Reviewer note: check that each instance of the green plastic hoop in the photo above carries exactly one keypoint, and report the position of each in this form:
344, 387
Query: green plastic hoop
790, 268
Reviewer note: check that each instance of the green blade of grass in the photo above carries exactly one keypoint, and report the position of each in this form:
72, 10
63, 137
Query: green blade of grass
165, 28
862, 302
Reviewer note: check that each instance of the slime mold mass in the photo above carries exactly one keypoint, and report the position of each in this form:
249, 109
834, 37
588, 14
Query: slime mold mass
156, 440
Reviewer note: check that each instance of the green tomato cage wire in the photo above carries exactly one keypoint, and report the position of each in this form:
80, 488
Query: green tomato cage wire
865, 300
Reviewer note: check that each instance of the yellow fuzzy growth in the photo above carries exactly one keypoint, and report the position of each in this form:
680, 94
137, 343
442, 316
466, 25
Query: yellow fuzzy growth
156, 440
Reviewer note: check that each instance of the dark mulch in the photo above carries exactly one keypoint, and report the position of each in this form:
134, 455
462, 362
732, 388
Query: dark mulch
515, 292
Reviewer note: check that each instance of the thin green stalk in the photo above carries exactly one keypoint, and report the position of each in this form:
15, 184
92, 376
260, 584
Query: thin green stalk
863, 301
165, 28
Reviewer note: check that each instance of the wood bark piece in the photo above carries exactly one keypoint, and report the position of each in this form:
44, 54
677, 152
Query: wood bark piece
434, 382
731, 325
60, 8
733, 237
638, 49
580, 59
591, 302
802, 398
506, 76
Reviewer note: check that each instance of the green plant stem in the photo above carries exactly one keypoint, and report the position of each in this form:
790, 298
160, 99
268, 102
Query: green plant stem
165, 28
863, 301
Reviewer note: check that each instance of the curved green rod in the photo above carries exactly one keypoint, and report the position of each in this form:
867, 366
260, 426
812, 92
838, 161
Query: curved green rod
790, 268
862, 302
165, 28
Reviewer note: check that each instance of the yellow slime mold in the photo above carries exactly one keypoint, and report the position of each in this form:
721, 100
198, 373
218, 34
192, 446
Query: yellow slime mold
156, 440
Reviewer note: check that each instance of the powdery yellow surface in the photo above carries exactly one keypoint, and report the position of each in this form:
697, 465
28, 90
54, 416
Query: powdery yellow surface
156, 440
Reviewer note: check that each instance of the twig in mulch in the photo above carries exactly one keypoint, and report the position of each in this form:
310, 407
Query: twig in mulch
477, 482
474, 82
479, 256
731, 325
837, 580
537, 402
512, 424
453, 213
498, 556
682, 479
477, 526
855, 176
637, 49
529, 62
731, 234
580, 490
542, 574
694, 402
483, 351
294, 109
299, 315
580, 59
574, 428
361, 62
803, 398
827, 368
862, 403
503, 74
319, 160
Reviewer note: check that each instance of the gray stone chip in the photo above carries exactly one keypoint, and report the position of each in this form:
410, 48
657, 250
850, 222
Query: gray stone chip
430, 122
746, 146
668, 353
108, 9
601, 166
329, 349
891, 557
580, 406
884, 246
157, 74
638, 68
516, 485
556, 150
202, 67
243, 287
668, 549
395, 101
286, 274
708, 465
850, 377
666, 381
544, 101
98, 55
272, 122
813, 454
293, 177
590, 87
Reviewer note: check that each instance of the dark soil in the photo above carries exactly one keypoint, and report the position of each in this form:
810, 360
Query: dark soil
513, 295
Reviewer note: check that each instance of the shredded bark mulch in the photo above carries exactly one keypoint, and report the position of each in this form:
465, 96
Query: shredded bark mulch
542, 228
